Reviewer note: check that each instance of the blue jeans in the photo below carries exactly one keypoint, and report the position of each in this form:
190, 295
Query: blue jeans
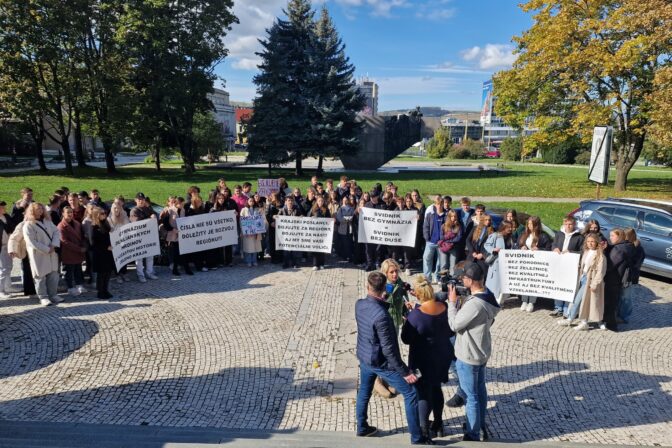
571, 310
367, 376
560, 305
472, 382
431, 260
250, 257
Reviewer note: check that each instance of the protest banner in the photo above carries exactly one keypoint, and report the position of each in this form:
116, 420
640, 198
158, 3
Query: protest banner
135, 240
388, 228
267, 186
538, 273
207, 231
252, 225
304, 234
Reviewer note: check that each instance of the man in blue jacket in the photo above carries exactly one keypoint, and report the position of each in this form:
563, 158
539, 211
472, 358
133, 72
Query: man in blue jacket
378, 354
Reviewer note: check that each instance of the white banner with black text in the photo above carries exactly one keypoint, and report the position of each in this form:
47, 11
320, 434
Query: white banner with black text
207, 231
134, 241
300, 233
388, 228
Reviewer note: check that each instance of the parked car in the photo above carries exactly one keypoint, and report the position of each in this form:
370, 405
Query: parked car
652, 220
492, 153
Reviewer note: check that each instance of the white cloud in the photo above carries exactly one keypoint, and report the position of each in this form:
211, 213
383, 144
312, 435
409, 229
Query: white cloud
435, 10
246, 63
492, 56
416, 85
449, 67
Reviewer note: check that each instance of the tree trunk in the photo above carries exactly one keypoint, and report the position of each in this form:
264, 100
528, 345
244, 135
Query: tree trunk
65, 147
79, 146
39, 139
299, 166
157, 156
627, 156
108, 147
319, 165
269, 169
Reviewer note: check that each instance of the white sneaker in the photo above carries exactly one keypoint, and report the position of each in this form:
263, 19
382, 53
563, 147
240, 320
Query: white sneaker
82, 289
142, 279
152, 276
204, 269
321, 267
603, 326
56, 299
4, 295
530, 307
74, 292
315, 268
120, 280
564, 322
408, 272
523, 306
583, 326
45, 302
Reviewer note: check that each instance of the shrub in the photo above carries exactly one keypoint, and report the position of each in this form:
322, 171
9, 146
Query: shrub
439, 146
583, 158
536, 160
474, 148
512, 148
563, 152
459, 152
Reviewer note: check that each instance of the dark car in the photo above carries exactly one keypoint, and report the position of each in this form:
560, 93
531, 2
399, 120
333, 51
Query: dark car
652, 220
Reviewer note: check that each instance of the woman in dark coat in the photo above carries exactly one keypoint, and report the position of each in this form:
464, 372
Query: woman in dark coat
427, 333
103, 262
620, 257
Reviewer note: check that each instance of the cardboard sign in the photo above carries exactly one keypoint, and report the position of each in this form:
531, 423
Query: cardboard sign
388, 228
207, 231
304, 234
267, 186
538, 273
134, 241
252, 225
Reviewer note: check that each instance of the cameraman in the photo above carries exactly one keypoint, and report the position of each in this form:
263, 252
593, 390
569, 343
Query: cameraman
471, 321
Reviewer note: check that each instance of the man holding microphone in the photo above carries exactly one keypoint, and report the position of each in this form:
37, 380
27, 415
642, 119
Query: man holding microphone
378, 354
471, 321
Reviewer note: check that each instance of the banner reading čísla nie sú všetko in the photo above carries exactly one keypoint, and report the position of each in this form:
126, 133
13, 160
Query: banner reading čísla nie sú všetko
538, 273
389, 228
207, 231
135, 240
303, 233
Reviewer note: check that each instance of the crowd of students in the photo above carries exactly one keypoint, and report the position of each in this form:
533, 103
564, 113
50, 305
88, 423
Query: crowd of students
71, 232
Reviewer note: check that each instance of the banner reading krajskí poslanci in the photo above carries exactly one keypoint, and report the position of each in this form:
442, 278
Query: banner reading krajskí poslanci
304, 234
135, 240
388, 228
539, 273
207, 231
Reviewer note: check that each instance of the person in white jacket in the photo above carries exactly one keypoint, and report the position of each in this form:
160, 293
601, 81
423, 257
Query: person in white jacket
42, 238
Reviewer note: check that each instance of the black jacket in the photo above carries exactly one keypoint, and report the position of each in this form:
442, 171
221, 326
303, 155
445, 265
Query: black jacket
575, 242
621, 257
8, 227
377, 344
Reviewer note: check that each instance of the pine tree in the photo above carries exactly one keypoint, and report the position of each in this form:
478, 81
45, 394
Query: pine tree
336, 100
280, 126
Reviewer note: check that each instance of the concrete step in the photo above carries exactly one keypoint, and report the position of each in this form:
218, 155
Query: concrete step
78, 435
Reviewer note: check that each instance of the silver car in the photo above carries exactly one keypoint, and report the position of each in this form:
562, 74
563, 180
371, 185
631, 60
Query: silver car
652, 220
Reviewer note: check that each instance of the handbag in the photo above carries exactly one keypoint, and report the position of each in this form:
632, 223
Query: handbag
445, 246
490, 259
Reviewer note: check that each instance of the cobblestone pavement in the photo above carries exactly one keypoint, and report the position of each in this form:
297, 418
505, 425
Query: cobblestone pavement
265, 348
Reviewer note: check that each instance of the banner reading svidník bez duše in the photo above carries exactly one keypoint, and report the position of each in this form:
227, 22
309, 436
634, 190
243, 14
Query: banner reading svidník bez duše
388, 228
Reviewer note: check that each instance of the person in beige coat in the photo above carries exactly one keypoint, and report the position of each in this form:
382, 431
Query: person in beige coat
589, 300
42, 238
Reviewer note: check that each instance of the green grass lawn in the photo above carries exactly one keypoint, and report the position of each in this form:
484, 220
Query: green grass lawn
518, 181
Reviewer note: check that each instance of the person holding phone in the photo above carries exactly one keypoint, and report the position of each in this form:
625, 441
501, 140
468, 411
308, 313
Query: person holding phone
378, 355
427, 334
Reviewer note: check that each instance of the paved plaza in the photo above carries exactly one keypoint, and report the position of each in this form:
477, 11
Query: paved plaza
272, 349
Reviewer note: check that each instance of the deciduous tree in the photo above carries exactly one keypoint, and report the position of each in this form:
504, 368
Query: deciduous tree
586, 63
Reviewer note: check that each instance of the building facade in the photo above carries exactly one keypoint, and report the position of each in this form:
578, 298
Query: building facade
224, 114
369, 89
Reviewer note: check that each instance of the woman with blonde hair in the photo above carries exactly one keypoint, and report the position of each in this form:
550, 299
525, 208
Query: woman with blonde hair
103, 262
589, 299
533, 238
452, 234
117, 218
427, 334
42, 238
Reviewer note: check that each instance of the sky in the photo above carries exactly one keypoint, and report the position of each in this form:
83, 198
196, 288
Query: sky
419, 52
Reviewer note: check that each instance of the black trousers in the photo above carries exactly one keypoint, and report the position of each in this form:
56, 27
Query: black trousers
177, 258
430, 400
318, 259
103, 283
28, 282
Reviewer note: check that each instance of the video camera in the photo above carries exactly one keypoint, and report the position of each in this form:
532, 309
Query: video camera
446, 279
